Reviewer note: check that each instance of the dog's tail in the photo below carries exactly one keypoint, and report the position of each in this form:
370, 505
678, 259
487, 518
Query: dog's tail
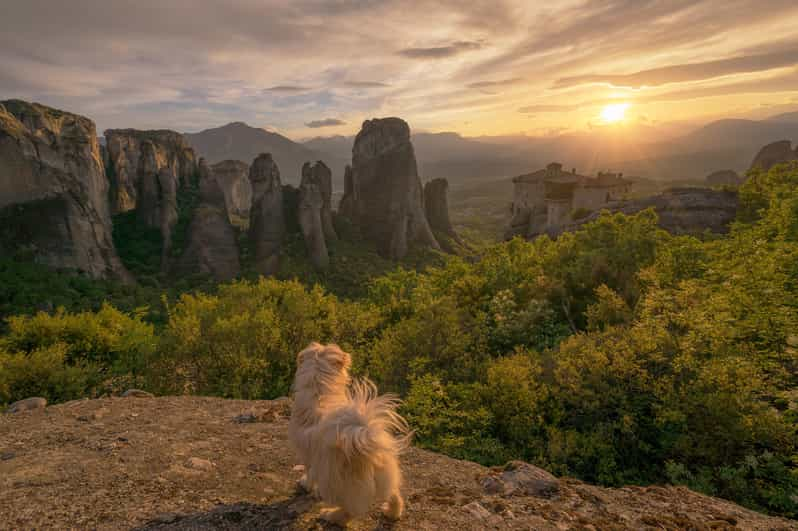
376, 426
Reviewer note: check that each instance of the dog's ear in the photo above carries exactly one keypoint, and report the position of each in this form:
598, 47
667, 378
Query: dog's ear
339, 359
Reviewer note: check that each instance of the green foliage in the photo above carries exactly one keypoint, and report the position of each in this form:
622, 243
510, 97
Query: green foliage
139, 246
580, 213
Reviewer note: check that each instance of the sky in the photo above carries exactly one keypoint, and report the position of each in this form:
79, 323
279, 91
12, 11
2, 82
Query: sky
310, 68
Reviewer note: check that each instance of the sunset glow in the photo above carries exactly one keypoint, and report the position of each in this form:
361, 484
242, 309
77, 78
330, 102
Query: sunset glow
615, 112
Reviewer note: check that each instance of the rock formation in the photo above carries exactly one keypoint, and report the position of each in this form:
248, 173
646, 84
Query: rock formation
775, 153
212, 245
724, 177
53, 190
383, 195
147, 170
436, 208
233, 177
320, 175
309, 214
127, 154
681, 210
227, 464
266, 222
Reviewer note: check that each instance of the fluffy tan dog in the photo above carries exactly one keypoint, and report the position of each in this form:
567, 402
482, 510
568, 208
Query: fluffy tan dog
348, 438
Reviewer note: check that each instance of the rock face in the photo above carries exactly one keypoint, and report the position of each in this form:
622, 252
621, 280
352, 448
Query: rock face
724, 177
212, 245
314, 212
110, 472
53, 190
266, 222
683, 210
436, 208
233, 177
147, 170
383, 194
775, 153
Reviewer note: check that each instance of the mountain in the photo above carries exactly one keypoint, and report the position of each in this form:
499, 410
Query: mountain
239, 141
188, 462
784, 117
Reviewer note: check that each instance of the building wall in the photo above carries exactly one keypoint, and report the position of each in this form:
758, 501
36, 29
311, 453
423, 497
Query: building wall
558, 212
527, 196
590, 198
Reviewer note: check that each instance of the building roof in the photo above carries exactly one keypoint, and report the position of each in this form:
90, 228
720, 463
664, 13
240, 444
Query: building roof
551, 173
607, 180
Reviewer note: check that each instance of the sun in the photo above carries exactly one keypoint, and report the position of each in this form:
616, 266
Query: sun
614, 112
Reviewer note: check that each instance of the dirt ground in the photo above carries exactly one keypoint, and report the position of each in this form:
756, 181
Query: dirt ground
183, 463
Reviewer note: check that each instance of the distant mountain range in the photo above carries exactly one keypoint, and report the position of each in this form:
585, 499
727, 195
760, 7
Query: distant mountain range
239, 141
638, 150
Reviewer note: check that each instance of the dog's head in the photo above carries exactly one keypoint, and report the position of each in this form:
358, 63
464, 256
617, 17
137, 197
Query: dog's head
322, 366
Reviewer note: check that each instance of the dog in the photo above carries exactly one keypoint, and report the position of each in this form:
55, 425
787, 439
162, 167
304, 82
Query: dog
348, 437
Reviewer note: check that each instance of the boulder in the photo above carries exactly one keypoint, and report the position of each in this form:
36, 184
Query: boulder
321, 177
28, 404
212, 242
309, 214
520, 478
383, 194
233, 177
53, 190
266, 222
774, 153
436, 208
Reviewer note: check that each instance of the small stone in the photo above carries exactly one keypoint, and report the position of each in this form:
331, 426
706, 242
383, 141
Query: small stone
28, 404
476, 510
197, 463
7, 456
246, 418
137, 393
523, 478
299, 468
167, 518
492, 485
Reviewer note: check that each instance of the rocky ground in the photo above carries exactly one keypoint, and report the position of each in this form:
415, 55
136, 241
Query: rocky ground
207, 463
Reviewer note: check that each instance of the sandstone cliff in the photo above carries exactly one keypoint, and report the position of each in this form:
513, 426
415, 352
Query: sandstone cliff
233, 177
53, 190
266, 221
147, 170
775, 153
383, 194
314, 212
207, 463
320, 175
212, 243
681, 210
436, 208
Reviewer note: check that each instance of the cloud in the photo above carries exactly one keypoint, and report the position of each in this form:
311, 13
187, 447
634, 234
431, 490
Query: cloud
287, 89
327, 122
492, 84
688, 72
365, 84
533, 109
440, 52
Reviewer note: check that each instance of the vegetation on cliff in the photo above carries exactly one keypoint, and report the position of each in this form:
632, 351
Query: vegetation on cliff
617, 353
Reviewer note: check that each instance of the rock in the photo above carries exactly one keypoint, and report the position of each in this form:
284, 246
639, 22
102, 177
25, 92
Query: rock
321, 176
233, 177
197, 463
28, 404
147, 170
680, 211
136, 393
311, 213
383, 195
54, 192
773, 154
7, 456
266, 223
346, 207
436, 208
724, 177
476, 510
212, 242
522, 478
246, 418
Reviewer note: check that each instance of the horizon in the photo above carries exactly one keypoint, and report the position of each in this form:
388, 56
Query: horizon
313, 68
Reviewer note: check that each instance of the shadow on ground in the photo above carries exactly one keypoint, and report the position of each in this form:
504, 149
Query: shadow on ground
291, 513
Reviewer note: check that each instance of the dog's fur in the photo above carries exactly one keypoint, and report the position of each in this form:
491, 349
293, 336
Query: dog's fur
348, 438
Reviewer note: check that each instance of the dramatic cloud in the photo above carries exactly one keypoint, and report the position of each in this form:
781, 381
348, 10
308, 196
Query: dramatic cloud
327, 122
689, 72
464, 66
439, 52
